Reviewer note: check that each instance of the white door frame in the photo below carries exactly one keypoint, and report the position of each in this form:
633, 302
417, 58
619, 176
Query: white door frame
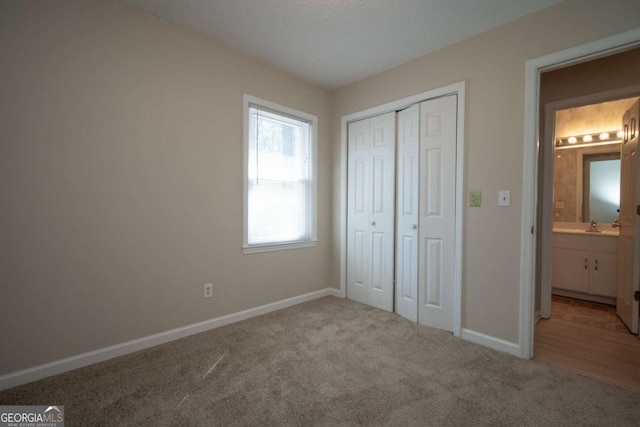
453, 89
533, 68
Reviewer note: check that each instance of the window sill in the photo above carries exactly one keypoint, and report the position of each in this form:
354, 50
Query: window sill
254, 249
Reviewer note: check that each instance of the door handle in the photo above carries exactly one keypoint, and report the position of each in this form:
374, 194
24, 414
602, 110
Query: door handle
596, 265
373, 223
586, 263
414, 226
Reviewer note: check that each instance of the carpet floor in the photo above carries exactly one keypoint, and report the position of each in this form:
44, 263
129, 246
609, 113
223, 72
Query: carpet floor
328, 362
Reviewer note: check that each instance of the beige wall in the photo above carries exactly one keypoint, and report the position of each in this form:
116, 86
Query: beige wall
121, 180
493, 65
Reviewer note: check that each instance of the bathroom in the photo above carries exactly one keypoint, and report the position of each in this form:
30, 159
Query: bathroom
589, 325
586, 200
578, 314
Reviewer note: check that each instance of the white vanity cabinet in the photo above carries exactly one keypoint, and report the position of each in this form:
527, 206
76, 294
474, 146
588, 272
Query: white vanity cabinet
585, 263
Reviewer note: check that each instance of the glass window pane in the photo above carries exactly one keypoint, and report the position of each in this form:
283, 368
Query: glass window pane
279, 173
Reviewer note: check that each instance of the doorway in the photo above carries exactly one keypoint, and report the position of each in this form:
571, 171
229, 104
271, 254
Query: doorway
534, 165
581, 135
536, 172
581, 331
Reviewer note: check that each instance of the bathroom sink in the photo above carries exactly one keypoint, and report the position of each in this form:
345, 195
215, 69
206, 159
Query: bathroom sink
609, 233
582, 231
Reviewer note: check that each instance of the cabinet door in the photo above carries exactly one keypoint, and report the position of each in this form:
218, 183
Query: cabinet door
570, 269
602, 274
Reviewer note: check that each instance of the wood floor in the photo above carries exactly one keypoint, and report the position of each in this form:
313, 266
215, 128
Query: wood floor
589, 339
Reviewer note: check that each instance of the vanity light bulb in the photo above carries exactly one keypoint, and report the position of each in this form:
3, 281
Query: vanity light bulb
572, 140
587, 138
604, 136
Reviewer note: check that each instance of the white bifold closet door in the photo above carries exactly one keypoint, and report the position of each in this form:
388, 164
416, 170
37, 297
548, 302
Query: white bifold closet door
370, 219
407, 212
421, 246
425, 212
438, 128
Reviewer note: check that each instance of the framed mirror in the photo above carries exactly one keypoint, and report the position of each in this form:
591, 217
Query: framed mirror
600, 186
587, 184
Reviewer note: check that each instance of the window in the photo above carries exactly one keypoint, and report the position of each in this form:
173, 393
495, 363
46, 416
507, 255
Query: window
279, 173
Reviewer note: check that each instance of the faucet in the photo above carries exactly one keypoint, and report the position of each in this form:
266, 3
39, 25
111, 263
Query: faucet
594, 226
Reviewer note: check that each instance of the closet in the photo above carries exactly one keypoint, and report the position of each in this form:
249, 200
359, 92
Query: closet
401, 211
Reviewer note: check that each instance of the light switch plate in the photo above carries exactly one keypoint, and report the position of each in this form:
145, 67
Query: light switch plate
475, 198
504, 198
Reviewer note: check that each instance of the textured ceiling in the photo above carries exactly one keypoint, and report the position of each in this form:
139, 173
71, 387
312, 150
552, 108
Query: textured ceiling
332, 43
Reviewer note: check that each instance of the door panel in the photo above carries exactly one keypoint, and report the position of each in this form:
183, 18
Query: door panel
438, 127
433, 273
370, 220
433, 183
382, 220
358, 202
407, 213
378, 185
360, 170
359, 258
629, 239
377, 261
407, 264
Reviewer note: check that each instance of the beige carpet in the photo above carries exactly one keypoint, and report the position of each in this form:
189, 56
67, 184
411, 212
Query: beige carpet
328, 362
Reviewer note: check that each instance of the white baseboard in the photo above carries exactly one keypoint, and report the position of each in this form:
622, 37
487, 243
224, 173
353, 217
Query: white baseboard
335, 292
583, 296
74, 362
536, 317
491, 342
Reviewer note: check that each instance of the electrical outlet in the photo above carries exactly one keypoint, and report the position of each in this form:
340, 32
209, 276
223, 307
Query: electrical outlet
208, 290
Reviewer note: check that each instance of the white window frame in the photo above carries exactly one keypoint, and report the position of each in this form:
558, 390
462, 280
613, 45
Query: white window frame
313, 133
